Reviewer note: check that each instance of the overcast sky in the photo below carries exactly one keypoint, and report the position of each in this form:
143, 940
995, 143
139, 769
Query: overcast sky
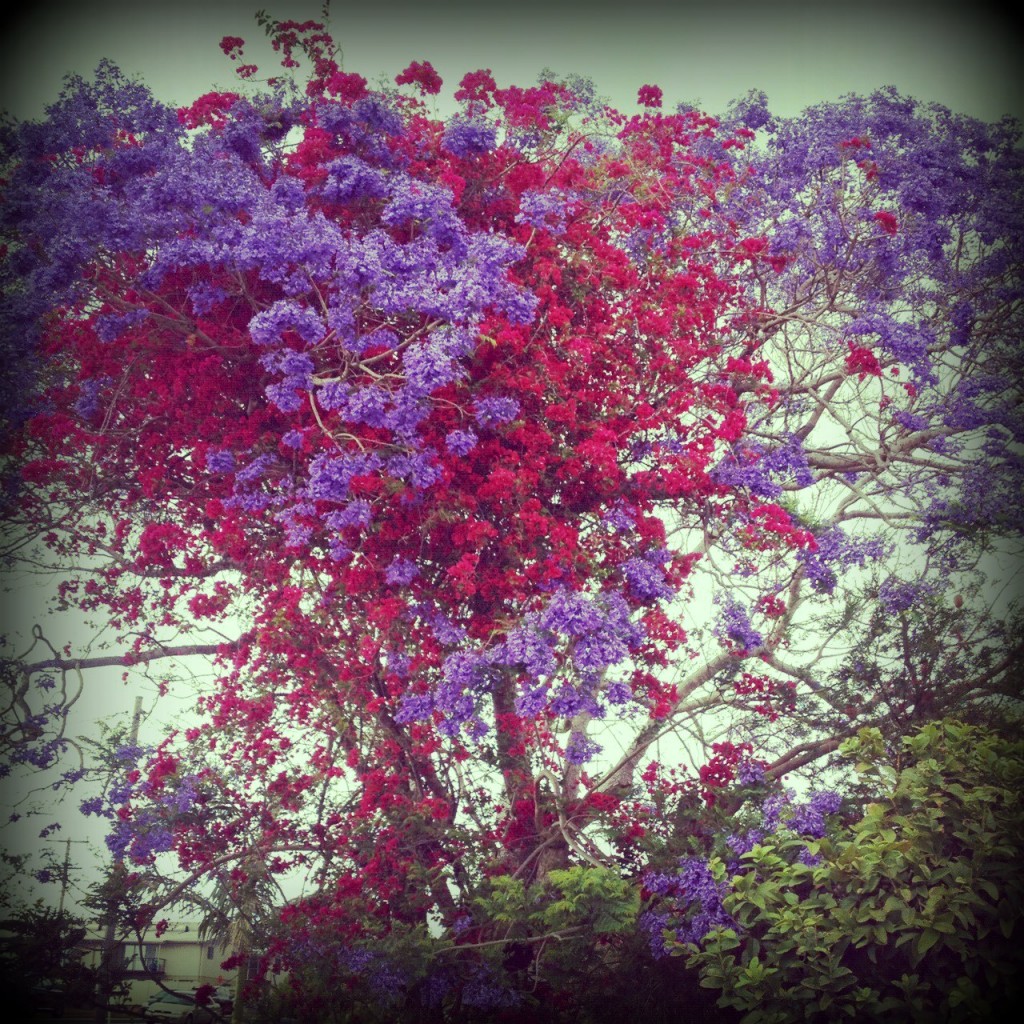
965, 56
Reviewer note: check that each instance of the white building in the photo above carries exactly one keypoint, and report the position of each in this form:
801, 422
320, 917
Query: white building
177, 958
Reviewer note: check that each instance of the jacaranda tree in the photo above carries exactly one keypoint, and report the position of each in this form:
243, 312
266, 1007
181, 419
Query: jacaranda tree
538, 479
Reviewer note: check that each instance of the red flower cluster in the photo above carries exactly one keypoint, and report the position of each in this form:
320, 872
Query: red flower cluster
862, 361
887, 221
422, 74
346, 86
232, 46
720, 769
649, 96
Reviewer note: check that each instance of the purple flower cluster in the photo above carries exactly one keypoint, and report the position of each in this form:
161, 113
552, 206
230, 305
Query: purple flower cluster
465, 675
751, 111
205, 297
619, 518
369, 405
646, 577
268, 326
330, 475
434, 363
808, 819
580, 749
141, 838
573, 630
87, 405
618, 693
835, 552
420, 469
220, 461
95, 805
352, 180
461, 442
911, 422
532, 649
427, 368
600, 628
760, 469
415, 707
426, 208
119, 839
567, 701
183, 796
401, 571
445, 631
695, 899
734, 627
356, 513
255, 485
689, 902
495, 409
111, 326
976, 402
740, 843
532, 701
398, 663
467, 137
773, 807
547, 210
898, 595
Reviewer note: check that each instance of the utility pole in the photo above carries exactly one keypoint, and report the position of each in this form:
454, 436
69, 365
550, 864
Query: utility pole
64, 877
104, 980
65, 880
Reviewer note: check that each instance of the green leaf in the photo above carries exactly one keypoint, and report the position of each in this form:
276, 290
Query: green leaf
926, 940
988, 887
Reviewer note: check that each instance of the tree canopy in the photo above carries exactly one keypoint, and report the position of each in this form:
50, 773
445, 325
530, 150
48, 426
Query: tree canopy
537, 480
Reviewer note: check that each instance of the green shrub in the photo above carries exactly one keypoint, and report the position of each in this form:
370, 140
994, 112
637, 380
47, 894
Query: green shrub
912, 913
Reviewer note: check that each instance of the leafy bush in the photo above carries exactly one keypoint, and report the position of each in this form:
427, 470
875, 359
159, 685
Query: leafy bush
912, 913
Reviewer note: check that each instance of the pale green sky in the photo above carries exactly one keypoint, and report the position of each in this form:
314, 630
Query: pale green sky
964, 56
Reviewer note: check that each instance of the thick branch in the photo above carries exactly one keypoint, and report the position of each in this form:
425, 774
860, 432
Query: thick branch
127, 660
